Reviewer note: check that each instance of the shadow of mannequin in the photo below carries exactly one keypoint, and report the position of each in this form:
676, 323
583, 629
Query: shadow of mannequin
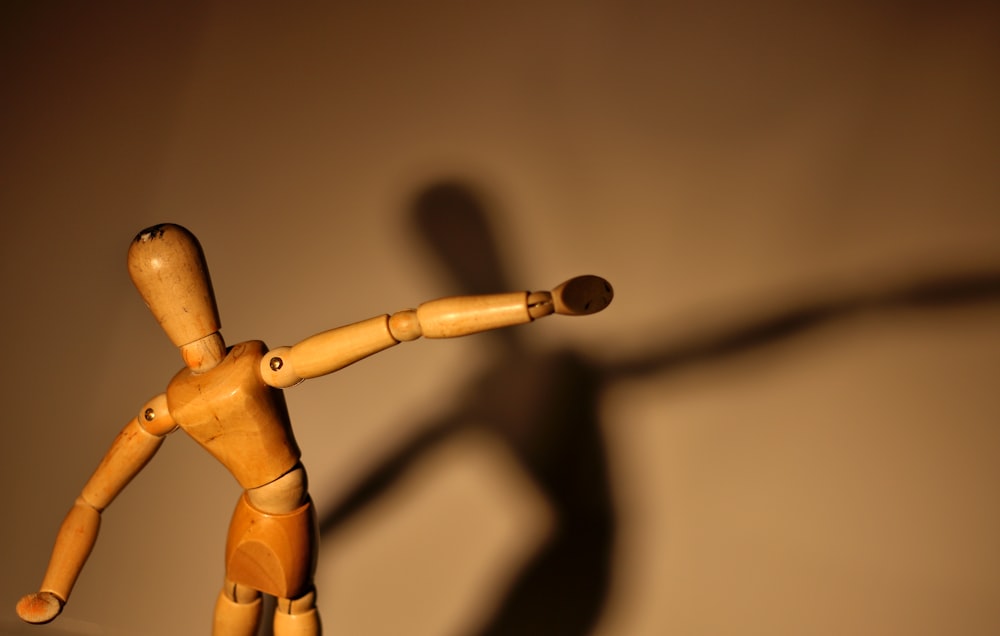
543, 406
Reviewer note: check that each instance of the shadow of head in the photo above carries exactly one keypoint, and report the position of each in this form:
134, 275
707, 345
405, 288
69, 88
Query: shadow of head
451, 218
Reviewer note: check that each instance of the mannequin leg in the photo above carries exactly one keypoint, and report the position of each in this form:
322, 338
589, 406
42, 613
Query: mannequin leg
297, 617
237, 611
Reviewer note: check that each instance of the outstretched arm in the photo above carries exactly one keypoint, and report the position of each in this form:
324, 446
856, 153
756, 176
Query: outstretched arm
442, 318
131, 450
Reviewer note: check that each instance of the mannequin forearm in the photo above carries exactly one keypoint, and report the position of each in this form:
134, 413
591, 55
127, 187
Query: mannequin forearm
76, 539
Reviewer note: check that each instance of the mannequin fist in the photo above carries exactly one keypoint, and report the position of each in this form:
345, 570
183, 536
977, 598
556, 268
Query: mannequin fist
40, 607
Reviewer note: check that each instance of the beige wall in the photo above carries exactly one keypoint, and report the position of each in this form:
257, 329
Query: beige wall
714, 162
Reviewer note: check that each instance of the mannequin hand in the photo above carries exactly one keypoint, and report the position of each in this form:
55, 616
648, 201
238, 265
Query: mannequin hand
40, 607
582, 296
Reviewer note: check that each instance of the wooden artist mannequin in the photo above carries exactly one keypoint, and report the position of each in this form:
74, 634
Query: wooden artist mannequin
230, 401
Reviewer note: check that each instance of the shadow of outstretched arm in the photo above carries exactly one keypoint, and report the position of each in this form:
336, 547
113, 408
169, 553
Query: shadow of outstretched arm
768, 329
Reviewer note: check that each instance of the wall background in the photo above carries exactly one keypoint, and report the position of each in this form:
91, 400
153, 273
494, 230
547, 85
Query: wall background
716, 162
